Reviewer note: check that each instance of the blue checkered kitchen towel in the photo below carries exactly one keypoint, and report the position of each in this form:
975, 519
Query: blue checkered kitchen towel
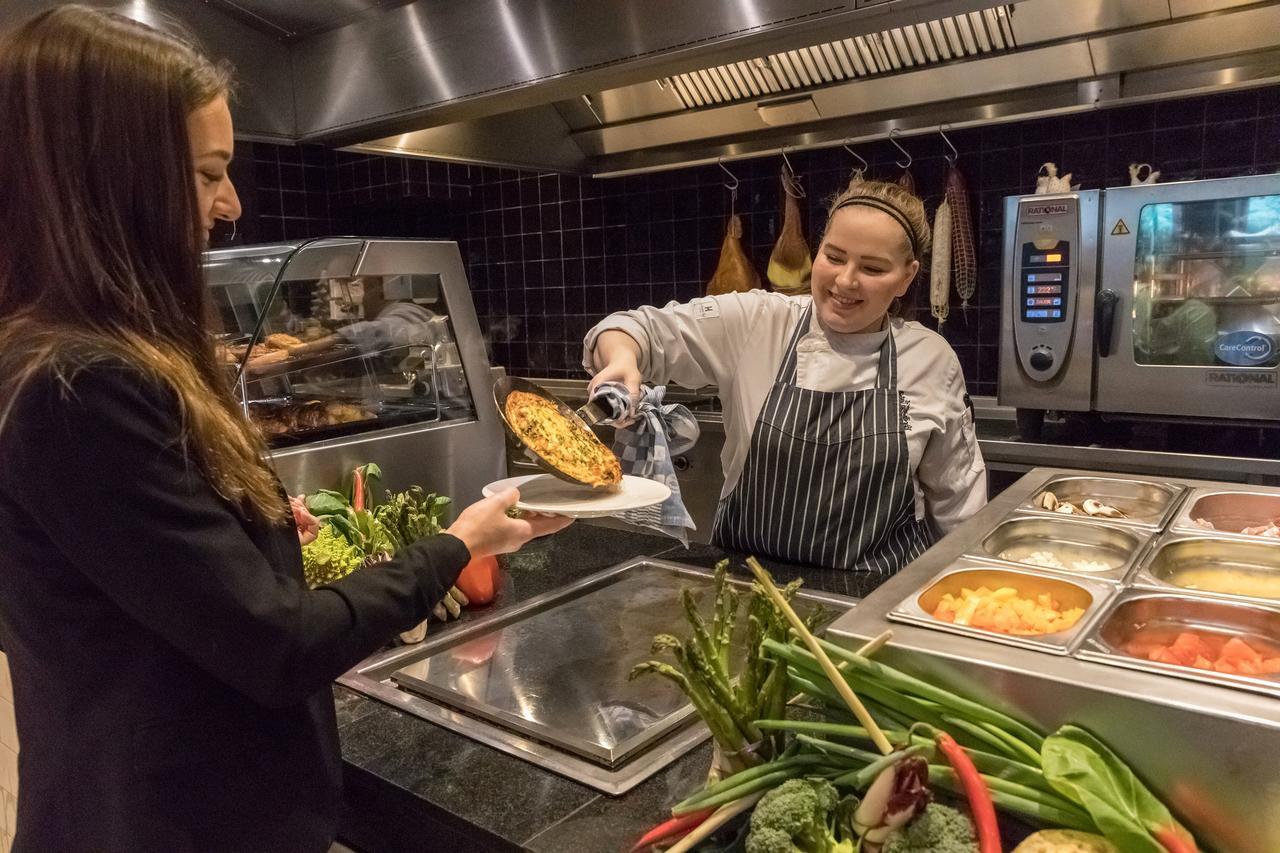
647, 438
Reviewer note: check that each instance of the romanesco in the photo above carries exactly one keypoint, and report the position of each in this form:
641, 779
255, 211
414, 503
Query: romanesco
796, 817
939, 829
329, 557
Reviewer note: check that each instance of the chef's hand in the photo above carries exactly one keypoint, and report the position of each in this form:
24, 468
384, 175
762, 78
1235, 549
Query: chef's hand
486, 529
308, 525
617, 359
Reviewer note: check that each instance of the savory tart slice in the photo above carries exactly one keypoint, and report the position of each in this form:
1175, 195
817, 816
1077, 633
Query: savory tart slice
565, 445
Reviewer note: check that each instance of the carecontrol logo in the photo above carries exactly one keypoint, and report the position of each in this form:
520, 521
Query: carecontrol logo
1245, 349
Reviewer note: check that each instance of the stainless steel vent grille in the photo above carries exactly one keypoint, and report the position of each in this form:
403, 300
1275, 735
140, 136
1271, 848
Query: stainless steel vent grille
913, 46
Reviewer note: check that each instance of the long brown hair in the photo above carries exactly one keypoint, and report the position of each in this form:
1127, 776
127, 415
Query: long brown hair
100, 234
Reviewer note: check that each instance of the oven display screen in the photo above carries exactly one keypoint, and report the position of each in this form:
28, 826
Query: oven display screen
1042, 282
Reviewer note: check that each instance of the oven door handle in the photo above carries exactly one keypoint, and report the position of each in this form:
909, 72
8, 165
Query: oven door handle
1108, 301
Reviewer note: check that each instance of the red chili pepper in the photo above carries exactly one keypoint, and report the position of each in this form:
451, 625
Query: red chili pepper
975, 790
1173, 842
671, 830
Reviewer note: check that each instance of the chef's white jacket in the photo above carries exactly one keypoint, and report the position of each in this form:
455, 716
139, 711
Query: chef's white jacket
737, 342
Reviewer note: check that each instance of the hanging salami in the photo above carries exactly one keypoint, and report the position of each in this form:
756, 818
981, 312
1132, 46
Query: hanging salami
940, 267
964, 254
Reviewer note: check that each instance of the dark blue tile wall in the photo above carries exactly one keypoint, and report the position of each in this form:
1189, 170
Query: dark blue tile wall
548, 254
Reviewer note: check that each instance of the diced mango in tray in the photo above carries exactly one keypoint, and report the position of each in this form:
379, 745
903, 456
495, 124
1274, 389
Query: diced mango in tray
1007, 611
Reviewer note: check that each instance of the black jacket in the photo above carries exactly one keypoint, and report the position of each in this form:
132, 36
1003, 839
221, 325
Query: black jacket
170, 668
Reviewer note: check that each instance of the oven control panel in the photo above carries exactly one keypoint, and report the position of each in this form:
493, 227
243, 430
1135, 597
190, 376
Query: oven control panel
1044, 283
1044, 277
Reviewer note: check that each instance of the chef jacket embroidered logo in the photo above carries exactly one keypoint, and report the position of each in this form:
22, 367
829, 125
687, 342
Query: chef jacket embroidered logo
1244, 349
706, 308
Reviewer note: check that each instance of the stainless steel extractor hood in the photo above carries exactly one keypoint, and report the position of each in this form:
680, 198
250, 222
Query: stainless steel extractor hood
609, 86
912, 70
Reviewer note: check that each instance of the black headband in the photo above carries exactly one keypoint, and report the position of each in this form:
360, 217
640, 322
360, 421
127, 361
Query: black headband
869, 201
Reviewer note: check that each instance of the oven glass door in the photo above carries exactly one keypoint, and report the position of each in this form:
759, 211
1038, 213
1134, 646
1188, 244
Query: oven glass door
1198, 332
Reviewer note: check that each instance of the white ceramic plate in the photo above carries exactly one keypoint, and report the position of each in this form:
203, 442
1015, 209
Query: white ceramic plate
545, 493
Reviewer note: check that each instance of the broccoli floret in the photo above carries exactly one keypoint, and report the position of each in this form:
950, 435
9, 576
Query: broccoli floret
330, 557
768, 839
939, 829
796, 817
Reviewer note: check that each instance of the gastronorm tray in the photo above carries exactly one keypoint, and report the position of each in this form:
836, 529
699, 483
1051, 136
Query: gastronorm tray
1230, 510
1145, 503
1176, 553
1075, 591
1177, 611
1023, 534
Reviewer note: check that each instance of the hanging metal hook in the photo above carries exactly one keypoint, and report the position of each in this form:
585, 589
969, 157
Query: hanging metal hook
863, 165
893, 137
731, 187
790, 182
955, 154
786, 162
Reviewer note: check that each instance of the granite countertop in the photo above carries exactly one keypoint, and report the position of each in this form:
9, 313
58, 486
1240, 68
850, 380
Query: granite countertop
412, 785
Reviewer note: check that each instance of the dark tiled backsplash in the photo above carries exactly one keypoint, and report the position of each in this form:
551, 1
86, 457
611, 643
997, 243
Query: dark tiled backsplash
548, 255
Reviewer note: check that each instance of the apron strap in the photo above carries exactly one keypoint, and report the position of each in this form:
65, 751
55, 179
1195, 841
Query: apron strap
787, 372
887, 371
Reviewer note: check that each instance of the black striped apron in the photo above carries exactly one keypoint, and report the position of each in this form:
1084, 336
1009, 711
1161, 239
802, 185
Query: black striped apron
827, 480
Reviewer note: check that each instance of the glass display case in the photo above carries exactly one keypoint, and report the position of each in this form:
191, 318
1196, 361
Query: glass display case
346, 340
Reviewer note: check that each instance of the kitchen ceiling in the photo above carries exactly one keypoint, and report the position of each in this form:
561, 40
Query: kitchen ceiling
612, 86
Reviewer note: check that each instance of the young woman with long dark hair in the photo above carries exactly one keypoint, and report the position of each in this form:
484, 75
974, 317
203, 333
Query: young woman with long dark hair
171, 669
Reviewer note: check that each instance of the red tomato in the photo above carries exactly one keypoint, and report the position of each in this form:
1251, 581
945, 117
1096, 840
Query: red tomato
479, 580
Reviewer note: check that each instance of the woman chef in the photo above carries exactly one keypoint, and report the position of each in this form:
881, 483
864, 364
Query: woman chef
849, 438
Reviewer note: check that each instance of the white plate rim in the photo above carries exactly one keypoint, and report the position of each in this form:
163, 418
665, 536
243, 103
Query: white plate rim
584, 511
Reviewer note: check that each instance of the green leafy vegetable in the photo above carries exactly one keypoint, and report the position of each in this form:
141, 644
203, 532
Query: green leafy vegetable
1083, 769
350, 538
361, 528
326, 502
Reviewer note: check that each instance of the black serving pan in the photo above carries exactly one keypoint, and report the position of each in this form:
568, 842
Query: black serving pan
503, 388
